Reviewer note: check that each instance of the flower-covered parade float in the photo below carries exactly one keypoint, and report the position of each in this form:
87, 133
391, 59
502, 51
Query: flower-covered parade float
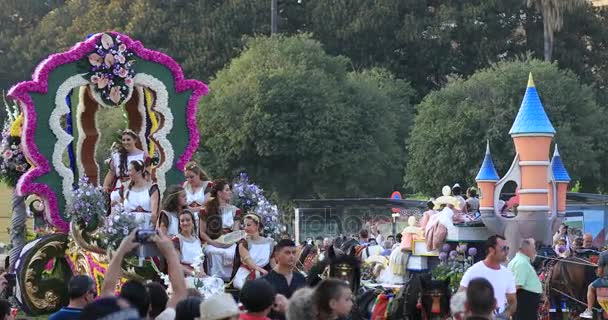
50, 146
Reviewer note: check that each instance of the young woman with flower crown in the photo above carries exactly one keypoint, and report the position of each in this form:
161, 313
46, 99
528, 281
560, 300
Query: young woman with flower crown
174, 202
198, 186
255, 252
141, 197
117, 176
216, 218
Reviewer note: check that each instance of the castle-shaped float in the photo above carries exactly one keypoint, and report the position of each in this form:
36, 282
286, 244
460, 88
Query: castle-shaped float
542, 183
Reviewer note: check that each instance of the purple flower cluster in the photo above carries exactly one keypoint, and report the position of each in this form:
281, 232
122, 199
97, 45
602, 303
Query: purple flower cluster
88, 206
454, 262
118, 225
111, 69
250, 198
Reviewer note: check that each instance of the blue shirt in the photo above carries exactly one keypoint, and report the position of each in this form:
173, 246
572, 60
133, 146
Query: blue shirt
66, 314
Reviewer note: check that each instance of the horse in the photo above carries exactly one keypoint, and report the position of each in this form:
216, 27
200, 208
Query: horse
421, 298
343, 266
565, 278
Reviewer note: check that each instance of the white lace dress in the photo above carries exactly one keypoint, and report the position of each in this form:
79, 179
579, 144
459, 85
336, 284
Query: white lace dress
122, 180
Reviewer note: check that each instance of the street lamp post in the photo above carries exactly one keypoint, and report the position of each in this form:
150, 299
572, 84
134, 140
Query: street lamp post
395, 216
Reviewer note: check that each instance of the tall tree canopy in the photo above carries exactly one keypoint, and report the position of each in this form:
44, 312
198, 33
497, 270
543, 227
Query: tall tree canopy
297, 120
448, 137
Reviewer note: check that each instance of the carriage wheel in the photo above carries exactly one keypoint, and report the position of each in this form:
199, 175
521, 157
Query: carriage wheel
43, 274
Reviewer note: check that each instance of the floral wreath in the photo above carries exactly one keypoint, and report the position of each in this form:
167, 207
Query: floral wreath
110, 70
13, 162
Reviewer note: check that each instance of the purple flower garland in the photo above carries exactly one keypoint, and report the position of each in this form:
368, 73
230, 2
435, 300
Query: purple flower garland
39, 84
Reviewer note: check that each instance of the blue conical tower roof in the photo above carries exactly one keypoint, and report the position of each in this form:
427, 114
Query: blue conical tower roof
487, 172
560, 174
531, 117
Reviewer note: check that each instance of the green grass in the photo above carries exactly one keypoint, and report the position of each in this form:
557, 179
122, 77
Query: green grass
5, 211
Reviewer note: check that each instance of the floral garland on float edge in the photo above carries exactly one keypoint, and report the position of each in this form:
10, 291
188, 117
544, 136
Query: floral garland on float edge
162, 107
250, 198
109, 69
453, 264
63, 138
13, 162
39, 84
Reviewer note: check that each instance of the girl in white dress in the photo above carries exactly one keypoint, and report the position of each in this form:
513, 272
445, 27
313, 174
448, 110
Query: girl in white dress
174, 202
255, 252
187, 243
141, 197
117, 177
217, 218
197, 186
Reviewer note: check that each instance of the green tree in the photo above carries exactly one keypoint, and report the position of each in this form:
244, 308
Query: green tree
296, 120
201, 35
19, 18
447, 141
553, 12
422, 41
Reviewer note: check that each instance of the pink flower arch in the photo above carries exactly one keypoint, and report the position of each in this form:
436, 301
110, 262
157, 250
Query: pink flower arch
39, 84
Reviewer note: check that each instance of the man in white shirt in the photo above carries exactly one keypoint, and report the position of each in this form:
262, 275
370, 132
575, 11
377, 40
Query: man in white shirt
499, 276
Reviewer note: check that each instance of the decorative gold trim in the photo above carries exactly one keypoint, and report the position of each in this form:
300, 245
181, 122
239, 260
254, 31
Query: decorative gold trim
51, 300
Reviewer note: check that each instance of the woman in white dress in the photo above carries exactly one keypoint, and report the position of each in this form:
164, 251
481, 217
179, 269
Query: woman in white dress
197, 186
187, 243
117, 177
174, 202
217, 218
141, 197
190, 250
255, 252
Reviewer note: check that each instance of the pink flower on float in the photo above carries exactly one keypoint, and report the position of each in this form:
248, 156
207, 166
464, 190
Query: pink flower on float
129, 81
122, 47
120, 58
109, 60
106, 41
115, 94
95, 59
102, 82
123, 72
95, 79
7, 154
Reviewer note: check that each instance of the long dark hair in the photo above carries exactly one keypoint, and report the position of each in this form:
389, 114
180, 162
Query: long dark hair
191, 214
122, 167
213, 205
327, 290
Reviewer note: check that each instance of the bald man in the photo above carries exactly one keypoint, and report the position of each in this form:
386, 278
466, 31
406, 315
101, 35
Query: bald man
588, 242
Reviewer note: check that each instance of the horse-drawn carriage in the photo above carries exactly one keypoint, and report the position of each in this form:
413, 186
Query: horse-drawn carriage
63, 120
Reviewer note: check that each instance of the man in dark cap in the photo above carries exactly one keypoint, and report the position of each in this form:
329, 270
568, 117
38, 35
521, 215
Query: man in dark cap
82, 291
